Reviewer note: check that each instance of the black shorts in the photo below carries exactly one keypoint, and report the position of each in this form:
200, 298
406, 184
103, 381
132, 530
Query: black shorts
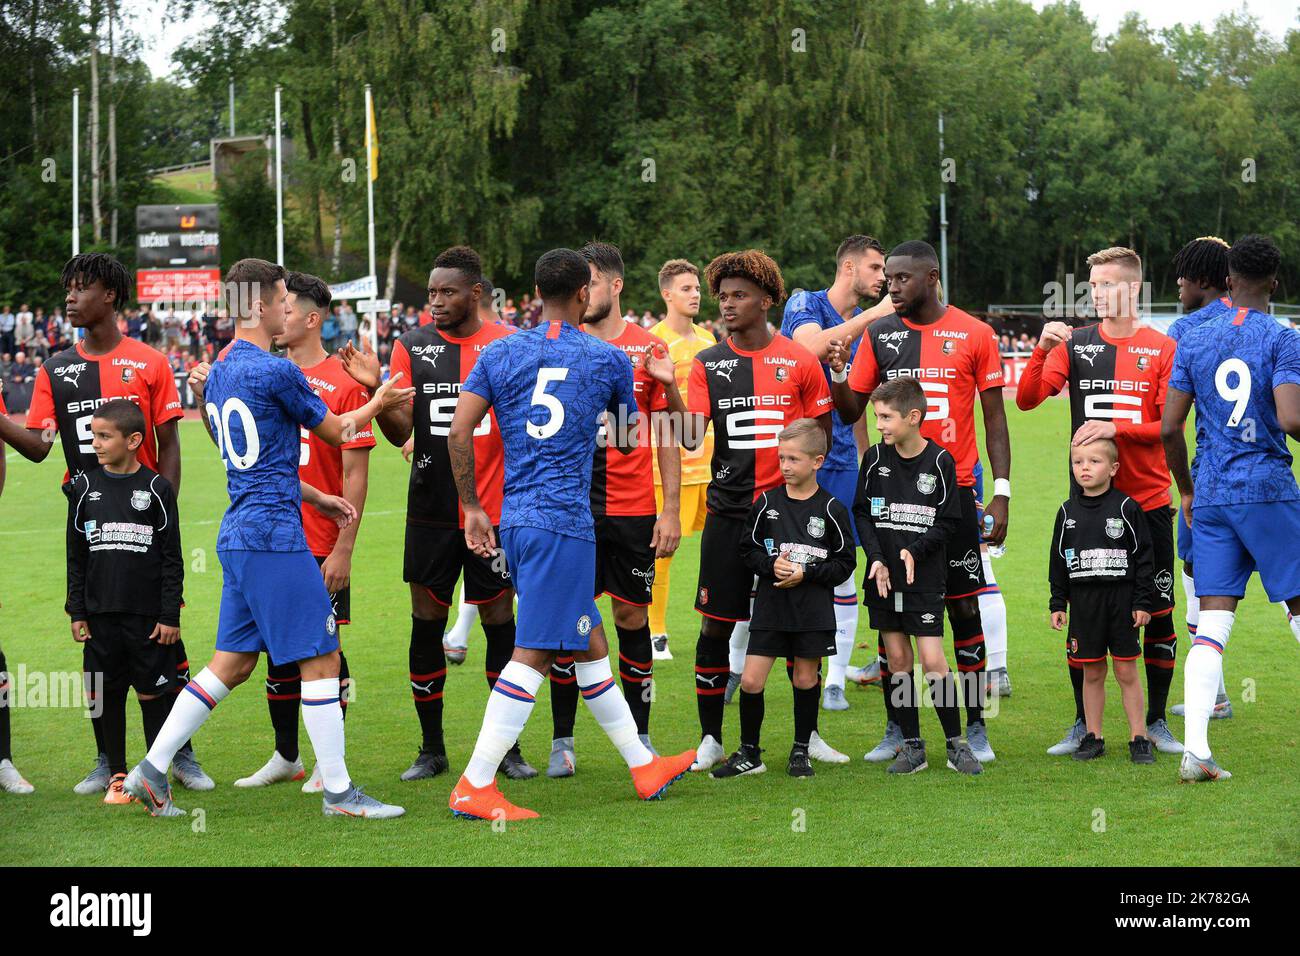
812, 645
436, 557
1101, 623
917, 615
625, 562
1160, 524
341, 600
119, 648
726, 585
965, 567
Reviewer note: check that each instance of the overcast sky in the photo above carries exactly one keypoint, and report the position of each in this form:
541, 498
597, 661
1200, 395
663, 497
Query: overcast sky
1276, 16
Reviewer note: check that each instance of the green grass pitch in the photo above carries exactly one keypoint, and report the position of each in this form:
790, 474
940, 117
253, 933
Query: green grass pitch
1027, 808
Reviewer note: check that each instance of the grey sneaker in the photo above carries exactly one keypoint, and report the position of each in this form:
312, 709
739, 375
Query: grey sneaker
733, 685
561, 763
427, 764
355, 802
1159, 734
188, 773
151, 788
748, 759
645, 742
1200, 770
999, 683
454, 654
977, 735
97, 780
823, 752
514, 766
889, 745
961, 758
864, 675
1070, 742
910, 759
833, 698
11, 781
659, 645
1222, 710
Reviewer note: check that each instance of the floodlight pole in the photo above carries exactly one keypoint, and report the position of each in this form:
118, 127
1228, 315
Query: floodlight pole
943, 222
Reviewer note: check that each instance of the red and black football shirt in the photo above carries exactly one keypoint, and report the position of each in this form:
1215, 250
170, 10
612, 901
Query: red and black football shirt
71, 385
623, 485
954, 359
751, 397
437, 364
1118, 380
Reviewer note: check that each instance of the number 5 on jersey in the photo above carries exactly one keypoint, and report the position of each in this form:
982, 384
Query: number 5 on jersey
555, 410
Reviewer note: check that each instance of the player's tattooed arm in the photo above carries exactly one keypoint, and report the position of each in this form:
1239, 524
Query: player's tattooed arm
847, 402
470, 409
33, 442
997, 442
1177, 405
668, 528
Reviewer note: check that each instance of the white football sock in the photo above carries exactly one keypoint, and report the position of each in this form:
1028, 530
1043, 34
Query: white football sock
609, 707
846, 630
1193, 603
323, 718
1295, 624
993, 613
739, 644
466, 615
189, 711
509, 705
1202, 674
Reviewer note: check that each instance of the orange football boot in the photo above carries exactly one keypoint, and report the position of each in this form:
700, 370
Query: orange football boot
115, 794
485, 803
659, 774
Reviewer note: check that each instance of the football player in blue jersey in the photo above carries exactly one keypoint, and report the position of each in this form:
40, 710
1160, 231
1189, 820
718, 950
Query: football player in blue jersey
273, 597
1201, 268
549, 387
814, 320
1242, 369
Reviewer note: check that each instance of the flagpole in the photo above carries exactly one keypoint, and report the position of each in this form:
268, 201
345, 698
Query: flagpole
279, 187
76, 217
370, 207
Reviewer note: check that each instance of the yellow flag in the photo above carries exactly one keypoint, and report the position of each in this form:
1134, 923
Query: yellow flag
373, 131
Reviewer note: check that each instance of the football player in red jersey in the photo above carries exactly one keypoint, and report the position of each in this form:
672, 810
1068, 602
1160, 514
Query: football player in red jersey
955, 358
342, 470
751, 385
436, 359
1118, 373
105, 365
631, 531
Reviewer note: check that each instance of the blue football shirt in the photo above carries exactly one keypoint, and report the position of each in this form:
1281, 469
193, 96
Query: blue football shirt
550, 386
256, 404
1230, 366
804, 308
1184, 324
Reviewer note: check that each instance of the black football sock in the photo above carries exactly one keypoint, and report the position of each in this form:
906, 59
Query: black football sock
751, 717
114, 725
182, 678
500, 648
428, 675
283, 700
6, 743
345, 684
636, 670
1076, 680
805, 713
903, 692
564, 696
943, 694
153, 714
1159, 652
890, 714
968, 643
712, 667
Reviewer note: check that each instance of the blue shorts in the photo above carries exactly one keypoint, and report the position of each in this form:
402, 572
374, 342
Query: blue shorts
1184, 538
1234, 540
842, 484
275, 601
552, 574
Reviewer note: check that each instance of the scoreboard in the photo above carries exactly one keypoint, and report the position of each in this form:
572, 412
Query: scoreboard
178, 253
